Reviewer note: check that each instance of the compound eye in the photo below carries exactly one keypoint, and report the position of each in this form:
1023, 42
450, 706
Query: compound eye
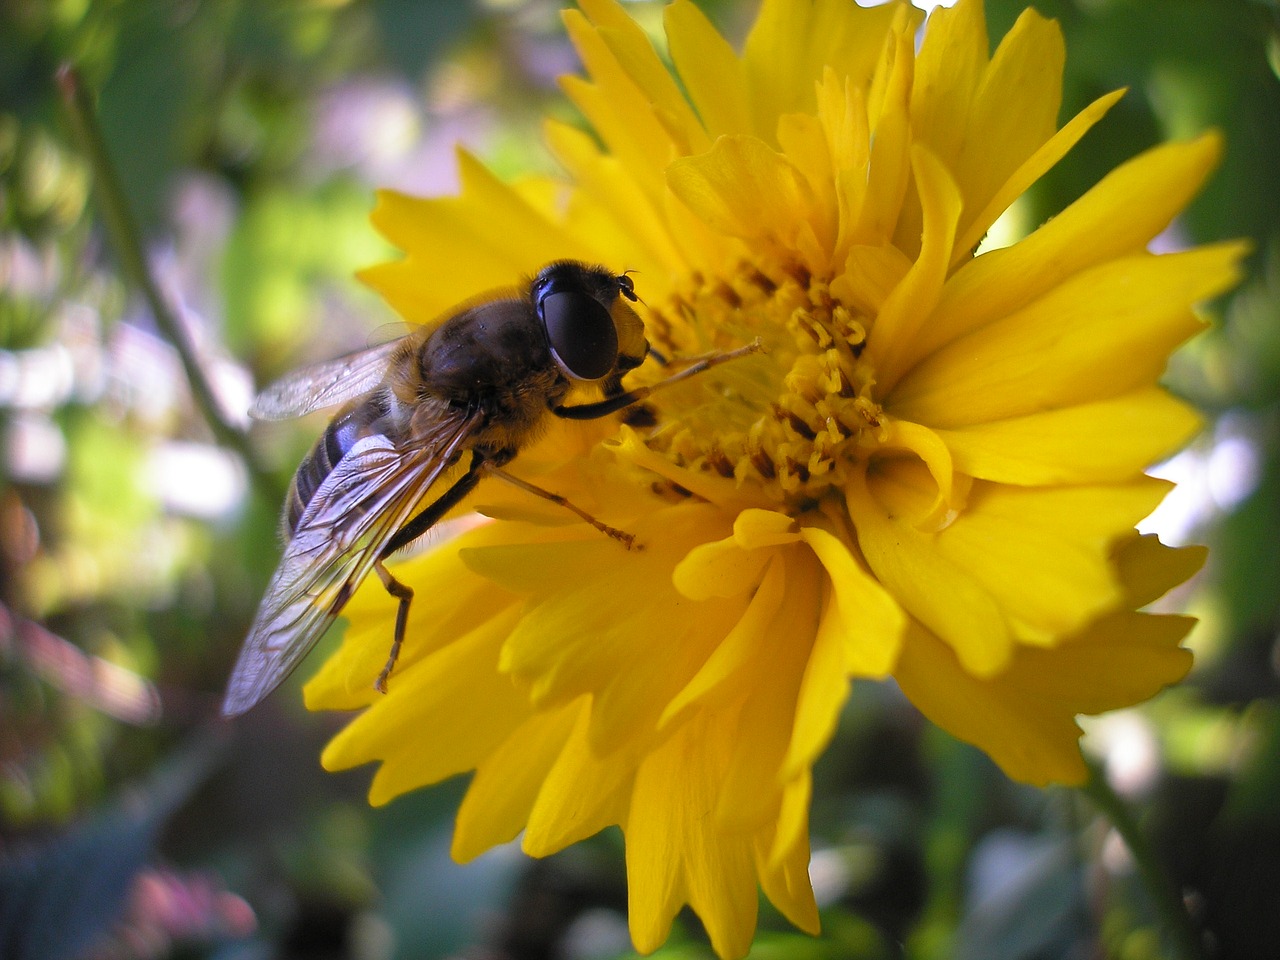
580, 331
627, 287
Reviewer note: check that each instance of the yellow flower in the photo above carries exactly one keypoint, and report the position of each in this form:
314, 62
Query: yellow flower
932, 474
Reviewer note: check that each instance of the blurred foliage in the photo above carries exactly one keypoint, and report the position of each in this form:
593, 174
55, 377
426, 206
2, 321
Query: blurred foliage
249, 137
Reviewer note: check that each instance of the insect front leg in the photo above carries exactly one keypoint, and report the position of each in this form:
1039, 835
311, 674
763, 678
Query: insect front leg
602, 408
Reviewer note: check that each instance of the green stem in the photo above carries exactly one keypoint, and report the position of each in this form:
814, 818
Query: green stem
1165, 898
125, 236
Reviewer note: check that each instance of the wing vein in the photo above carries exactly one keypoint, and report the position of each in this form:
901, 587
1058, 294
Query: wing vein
370, 494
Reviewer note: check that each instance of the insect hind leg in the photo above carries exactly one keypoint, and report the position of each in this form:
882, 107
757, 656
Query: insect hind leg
404, 594
407, 534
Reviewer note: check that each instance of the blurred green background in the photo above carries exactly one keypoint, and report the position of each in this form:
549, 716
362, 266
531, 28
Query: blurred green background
249, 137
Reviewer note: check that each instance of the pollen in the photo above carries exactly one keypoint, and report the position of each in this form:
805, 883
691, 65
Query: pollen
793, 420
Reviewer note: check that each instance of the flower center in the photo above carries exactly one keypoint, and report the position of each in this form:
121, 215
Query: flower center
792, 420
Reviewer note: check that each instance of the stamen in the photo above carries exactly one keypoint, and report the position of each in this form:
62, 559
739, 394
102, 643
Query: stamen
793, 420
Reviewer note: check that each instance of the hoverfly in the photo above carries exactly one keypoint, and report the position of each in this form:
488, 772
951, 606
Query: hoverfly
480, 383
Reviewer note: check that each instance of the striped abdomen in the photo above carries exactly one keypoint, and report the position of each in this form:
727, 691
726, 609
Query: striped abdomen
338, 438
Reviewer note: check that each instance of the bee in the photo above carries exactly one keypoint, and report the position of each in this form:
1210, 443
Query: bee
480, 385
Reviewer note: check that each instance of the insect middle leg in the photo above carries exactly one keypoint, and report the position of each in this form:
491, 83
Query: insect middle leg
627, 539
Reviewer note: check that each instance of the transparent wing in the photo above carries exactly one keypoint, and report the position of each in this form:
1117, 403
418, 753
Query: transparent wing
371, 493
324, 384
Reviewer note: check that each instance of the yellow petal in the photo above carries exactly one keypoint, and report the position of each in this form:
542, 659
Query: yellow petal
1030, 564
633, 657
935, 454
790, 43
635, 57
912, 301
1031, 741
617, 109
675, 852
824, 688
436, 617
1025, 718
870, 275
950, 65
744, 189
784, 862
1121, 659
457, 694
734, 653
1103, 332
483, 239
842, 111
1100, 442
804, 143
720, 569
616, 629
976, 224
709, 69
582, 794
889, 169
645, 243
963, 112
928, 585
751, 794
502, 792
723, 493
1148, 569
866, 616
1002, 131
753, 529
1118, 216
1044, 553
704, 249
521, 567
